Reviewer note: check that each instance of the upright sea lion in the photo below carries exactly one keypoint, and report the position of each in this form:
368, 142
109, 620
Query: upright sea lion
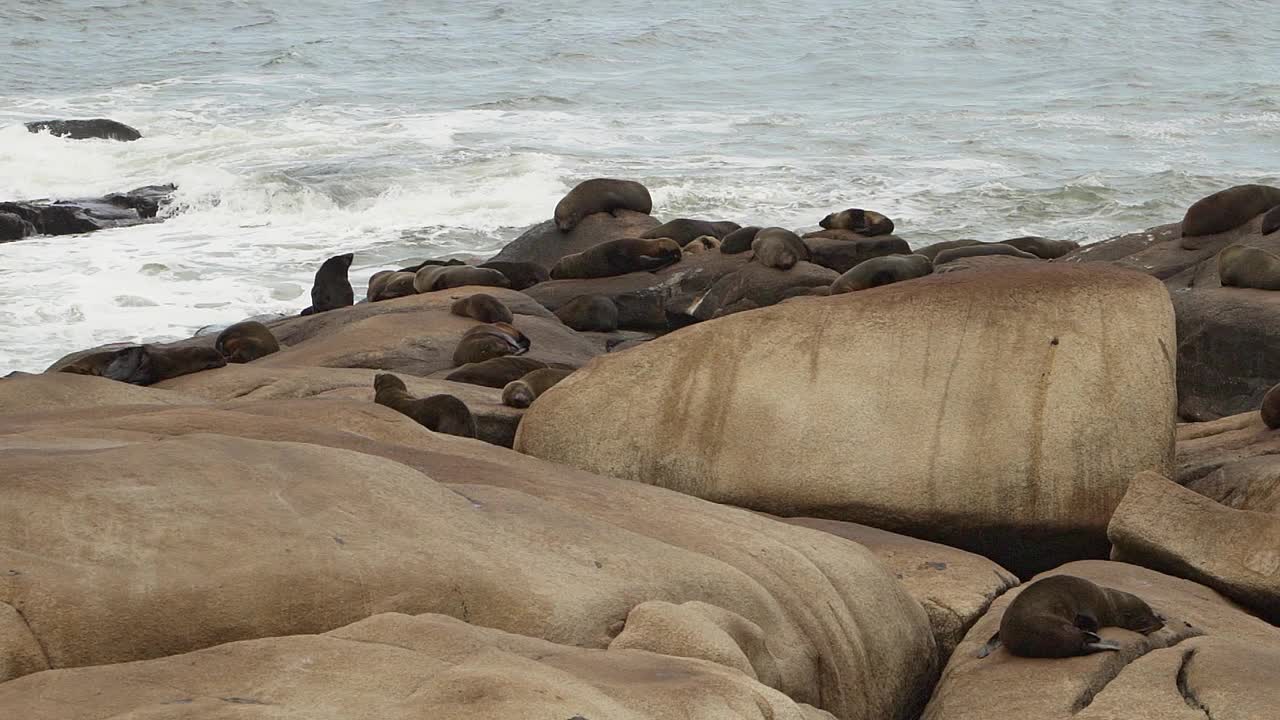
1228, 209
332, 289
1041, 247
1271, 408
618, 257
739, 241
1271, 222
485, 342
149, 364
979, 250
684, 230
883, 270
521, 274
439, 413
245, 342
1059, 616
863, 222
589, 313
483, 307
443, 277
931, 251
496, 373
521, 393
779, 248
1248, 267
389, 285
697, 246
601, 195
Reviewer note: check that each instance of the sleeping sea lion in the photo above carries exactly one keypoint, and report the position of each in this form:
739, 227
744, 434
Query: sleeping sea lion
521, 393
1271, 408
883, 270
442, 277
931, 251
779, 248
1059, 616
684, 230
739, 241
601, 195
697, 246
245, 342
1041, 247
1248, 267
485, 342
496, 373
332, 289
979, 250
439, 413
1271, 222
389, 285
863, 222
1228, 209
483, 307
589, 313
520, 274
618, 257
149, 364
451, 262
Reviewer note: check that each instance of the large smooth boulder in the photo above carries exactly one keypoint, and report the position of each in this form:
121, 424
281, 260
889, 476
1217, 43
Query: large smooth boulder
544, 244
50, 391
1167, 527
1227, 339
1002, 412
1234, 461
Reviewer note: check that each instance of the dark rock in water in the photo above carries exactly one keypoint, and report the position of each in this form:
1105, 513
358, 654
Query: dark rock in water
14, 227
1228, 339
545, 245
685, 230
70, 217
95, 129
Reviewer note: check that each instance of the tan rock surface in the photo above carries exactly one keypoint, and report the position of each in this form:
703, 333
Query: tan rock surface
55, 391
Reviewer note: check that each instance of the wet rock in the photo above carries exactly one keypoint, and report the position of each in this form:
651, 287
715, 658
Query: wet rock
93, 129
70, 217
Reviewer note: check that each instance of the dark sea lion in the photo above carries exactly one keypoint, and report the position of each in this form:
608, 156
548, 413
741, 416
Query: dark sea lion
618, 257
483, 307
883, 270
863, 222
1041, 247
521, 274
589, 313
485, 342
444, 277
1248, 267
1271, 408
697, 246
931, 251
1228, 209
779, 248
521, 393
389, 285
94, 363
451, 262
685, 230
332, 289
979, 250
439, 413
601, 195
92, 129
149, 364
1271, 222
739, 241
245, 342
1059, 616
496, 373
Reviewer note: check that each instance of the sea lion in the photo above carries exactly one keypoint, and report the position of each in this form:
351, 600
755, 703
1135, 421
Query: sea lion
521, 274
779, 248
601, 195
1271, 408
149, 364
485, 342
245, 342
521, 393
618, 257
1248, 267
863, 222
684, 230
496, 373
979, 250
1228, 209
331, 289
883, 270
1059, 616
451, 262
697, 246
1041, 247
1271, 222
439, 413
483, 307
389, 285
92, 363
739, 241
589, 313
931, 251
443, 277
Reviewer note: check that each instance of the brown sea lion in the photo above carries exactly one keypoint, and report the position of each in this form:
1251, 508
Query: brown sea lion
779, 248
485, 342
1271, 222
521, 274
980, 250
483, 307
1228, 209
496, 373
521, 393
1271, 408
451, 262
589, 313
931, 251
331, 289
684, 230
92, 363
618, 257
1248, 267
149, 364
697, 246
863, 222
883, 270
439, 413
601, 195
1041, 247
442, 277
389, 285
245, 342
1059, 616
739, 241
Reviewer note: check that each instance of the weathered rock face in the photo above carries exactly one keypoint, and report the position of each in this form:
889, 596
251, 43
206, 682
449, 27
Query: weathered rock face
961, 408
70, 217
1226, 340
1167, 527
94, 129
544, 244
36, 393
1212, 659
1234, 461
14, 227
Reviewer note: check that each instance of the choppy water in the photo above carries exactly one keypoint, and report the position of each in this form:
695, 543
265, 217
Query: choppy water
405, 129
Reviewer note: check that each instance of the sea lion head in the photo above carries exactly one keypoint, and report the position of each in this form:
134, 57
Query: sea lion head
384, 382
1133, 613
664, 249
517, 394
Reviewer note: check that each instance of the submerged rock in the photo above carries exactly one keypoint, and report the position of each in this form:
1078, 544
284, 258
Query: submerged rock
93, 129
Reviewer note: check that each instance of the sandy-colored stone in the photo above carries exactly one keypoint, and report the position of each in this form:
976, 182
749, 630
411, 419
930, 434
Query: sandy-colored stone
20, 653
56, 391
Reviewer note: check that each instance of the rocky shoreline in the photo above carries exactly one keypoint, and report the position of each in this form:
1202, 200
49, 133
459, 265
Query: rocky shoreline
777, 475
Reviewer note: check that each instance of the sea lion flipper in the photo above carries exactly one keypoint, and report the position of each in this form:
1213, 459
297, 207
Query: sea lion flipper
1094, 643
992, 645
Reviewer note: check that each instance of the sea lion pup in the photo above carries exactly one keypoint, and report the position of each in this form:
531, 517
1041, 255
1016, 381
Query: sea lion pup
1228, 209
443, 277
483, 307
979, 250
485, 342
779, 248
1271, 222
863, 222
245, 342
439, 413
589, 313
618, 257
149, 364
685, 230
1248, 267
521, 274
1271, 408
1042, 247
496, 373
521, 393
389, 285
699, 245
601, 195
883, 270
1059, 616
739, 241
332, 289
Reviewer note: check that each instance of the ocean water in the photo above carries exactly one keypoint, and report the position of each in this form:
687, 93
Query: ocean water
406, 129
